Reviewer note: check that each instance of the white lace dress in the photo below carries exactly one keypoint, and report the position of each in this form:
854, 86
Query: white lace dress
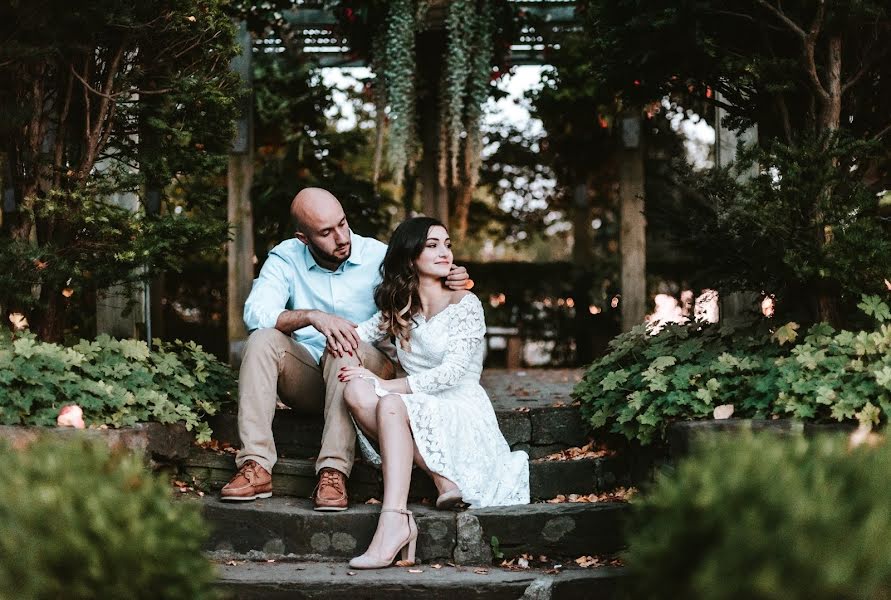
452, 419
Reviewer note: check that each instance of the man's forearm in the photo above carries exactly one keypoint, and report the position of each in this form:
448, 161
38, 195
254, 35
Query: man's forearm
291, 320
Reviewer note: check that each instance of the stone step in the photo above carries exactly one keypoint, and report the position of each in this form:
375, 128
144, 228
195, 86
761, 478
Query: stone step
538, 431
324, 581
533, 406
279, 527
297, 477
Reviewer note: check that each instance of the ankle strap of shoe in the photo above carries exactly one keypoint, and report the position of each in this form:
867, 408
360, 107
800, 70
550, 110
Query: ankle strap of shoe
401, 511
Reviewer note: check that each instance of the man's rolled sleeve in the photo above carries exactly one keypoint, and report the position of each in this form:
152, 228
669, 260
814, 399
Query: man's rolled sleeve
269, 295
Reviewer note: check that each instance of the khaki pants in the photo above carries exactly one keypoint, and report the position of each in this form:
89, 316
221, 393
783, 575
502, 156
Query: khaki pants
276, 367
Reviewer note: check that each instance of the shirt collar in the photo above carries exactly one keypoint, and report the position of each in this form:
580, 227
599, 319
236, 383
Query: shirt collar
355, 257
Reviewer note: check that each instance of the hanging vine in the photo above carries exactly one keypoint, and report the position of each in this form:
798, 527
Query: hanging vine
468, 55
396, 60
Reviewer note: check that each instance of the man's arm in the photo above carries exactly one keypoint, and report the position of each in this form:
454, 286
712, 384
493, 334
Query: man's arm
269, 294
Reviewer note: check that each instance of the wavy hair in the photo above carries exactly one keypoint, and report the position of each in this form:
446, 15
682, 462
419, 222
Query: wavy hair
397, 294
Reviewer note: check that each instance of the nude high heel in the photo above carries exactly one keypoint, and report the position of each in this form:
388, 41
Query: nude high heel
407, 547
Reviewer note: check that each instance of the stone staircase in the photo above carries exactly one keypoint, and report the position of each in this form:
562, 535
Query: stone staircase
281, 548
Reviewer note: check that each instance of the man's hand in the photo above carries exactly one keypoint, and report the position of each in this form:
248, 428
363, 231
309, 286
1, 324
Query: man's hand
457, 279
340, 335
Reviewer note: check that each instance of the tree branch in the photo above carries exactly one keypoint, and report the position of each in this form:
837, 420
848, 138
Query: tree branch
95, 136
88, 86
60, 133
778, 13
882, 133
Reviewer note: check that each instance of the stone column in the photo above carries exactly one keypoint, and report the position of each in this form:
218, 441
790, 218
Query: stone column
240, 177
633, 233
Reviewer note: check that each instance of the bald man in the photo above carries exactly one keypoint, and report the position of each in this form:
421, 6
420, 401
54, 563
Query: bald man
302, 313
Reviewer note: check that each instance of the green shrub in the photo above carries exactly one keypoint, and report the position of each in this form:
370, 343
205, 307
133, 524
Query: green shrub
116, 382
762, 517
685, 371
77, 521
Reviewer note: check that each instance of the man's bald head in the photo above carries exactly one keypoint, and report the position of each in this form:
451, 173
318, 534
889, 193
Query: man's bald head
314, 207
322, 226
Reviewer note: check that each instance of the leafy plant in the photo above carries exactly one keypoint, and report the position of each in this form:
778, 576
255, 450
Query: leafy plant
113, 115
766, 517
116, 382
685, 371
496, 548
77, 521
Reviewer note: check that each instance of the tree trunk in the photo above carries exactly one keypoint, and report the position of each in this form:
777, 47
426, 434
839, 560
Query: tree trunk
830, 121
632, 237
581, 267
240, 271
434, 192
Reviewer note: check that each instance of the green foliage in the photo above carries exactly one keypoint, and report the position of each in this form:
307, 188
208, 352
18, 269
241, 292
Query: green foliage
496, 548
803, 227
79, 522
116, 382
105, 105
685, 371
386, 32
768, 518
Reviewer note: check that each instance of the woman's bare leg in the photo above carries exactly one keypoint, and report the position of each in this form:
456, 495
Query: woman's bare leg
362, 402
397, 450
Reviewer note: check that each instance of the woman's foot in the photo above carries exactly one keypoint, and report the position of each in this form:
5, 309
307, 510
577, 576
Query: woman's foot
396, 530
449, 499
449, 494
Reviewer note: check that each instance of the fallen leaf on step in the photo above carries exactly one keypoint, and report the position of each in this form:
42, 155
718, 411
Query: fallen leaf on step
436, 566
522, 409
587, 561
725, 411
589, 450
372, 501
232, 563
558, 404
620, 494
416, 570
351, 572
523, 563
270, 560
481, 571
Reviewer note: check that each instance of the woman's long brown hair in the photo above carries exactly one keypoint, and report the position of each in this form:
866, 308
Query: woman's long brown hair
397, 294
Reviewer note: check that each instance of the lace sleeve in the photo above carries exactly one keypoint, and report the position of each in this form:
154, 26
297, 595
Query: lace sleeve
468, 328
370, 330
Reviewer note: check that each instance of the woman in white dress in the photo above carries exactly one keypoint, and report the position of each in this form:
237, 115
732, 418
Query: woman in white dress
438, 417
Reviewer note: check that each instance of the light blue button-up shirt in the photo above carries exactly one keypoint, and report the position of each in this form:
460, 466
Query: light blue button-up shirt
292, 280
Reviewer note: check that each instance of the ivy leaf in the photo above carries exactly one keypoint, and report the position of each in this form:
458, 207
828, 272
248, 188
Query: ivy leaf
874, 307
883, 377
613, 380
786, 333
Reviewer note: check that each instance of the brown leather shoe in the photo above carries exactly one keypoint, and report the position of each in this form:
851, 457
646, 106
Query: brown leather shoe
330, 495
251, 482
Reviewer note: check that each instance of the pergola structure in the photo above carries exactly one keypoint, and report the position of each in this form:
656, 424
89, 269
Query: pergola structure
314, 30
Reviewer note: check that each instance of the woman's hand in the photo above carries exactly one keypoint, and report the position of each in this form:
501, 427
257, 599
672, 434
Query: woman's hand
349, 373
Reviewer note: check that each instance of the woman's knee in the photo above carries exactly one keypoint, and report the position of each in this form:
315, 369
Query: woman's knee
358, 395
391, 404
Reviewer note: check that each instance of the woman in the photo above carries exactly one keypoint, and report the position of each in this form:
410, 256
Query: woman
439, 416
